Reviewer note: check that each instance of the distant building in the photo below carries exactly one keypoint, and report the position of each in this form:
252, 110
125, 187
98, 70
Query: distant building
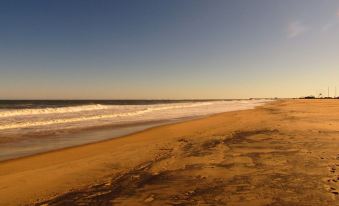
309, 97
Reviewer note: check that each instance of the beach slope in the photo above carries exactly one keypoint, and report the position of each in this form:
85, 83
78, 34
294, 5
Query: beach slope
283, 153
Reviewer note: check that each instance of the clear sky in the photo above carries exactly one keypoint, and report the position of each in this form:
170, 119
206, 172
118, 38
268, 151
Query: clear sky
173, 49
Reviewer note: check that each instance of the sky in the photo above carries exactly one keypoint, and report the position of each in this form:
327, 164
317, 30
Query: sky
168, 49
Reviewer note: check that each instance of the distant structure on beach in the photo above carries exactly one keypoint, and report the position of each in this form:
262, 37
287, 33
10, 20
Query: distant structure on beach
309, 97
321, 96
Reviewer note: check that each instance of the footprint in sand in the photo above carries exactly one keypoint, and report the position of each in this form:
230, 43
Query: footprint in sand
333, 181
332, 168
334, 191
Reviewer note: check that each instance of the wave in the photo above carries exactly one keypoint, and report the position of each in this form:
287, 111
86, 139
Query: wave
58, 110
85, 108
142, 109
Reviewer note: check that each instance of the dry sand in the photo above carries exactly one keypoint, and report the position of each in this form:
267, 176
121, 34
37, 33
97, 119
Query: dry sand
283, 153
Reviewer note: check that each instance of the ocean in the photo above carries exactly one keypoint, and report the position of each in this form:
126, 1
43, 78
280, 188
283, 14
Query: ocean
30, 127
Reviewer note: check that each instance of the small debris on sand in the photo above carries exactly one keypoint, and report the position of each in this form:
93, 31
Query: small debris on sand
149, 199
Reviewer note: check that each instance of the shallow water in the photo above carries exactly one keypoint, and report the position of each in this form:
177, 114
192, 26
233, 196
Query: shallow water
30, 146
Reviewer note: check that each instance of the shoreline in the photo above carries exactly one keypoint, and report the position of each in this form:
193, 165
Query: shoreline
155, 124
146, 125
110, 131
98, 128
208, 154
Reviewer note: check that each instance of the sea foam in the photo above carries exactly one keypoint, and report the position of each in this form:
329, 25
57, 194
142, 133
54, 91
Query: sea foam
44, 119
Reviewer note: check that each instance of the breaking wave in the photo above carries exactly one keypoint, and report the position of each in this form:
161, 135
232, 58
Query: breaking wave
58, 110
14, 119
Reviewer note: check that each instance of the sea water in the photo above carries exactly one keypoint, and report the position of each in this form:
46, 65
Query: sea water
30, 127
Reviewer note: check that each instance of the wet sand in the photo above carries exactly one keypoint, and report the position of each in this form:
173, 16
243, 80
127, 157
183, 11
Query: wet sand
36, 143
283, 153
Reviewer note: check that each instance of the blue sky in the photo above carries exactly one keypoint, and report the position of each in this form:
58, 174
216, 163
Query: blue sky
169, 49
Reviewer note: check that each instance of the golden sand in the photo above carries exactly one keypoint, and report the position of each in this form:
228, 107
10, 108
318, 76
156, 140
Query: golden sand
283, 153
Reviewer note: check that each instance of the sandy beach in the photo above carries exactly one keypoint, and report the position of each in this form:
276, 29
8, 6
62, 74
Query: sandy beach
283, 153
